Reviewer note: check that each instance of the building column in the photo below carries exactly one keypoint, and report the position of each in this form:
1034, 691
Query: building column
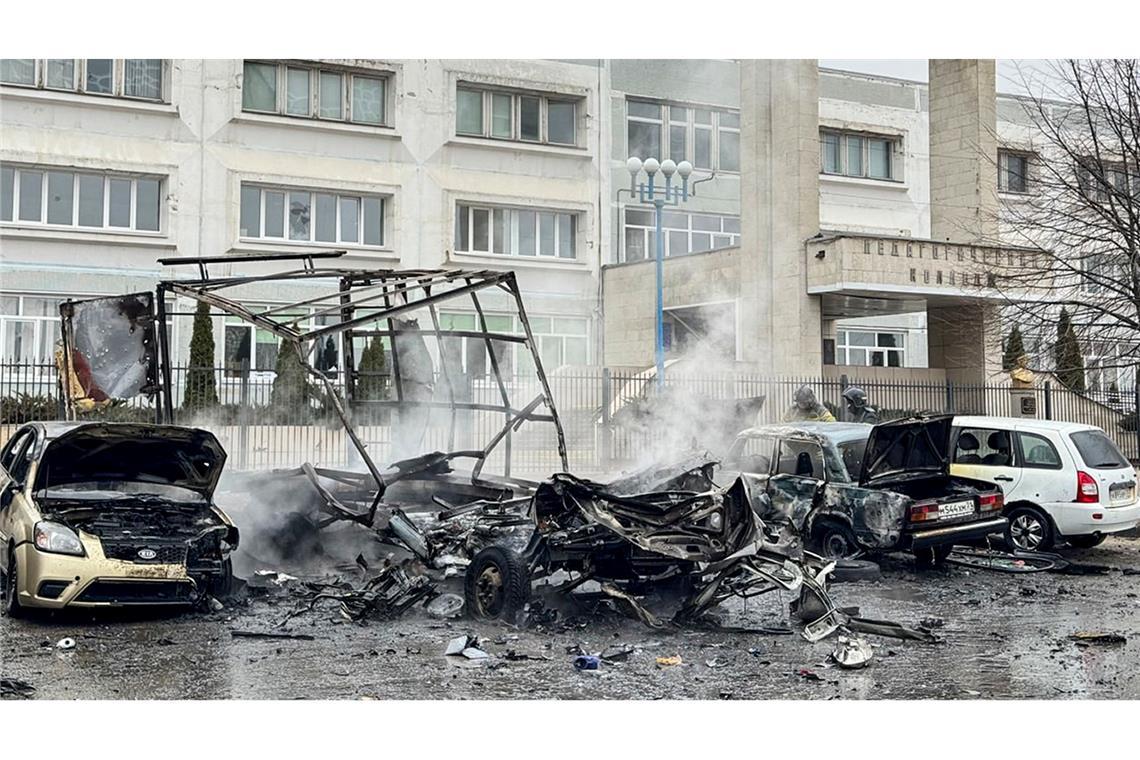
964, 338
779, 209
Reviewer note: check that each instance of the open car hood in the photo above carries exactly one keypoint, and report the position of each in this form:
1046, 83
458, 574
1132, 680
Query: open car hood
105, 452
919, 445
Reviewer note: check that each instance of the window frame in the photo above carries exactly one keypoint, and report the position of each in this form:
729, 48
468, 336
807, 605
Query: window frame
511, 231
39, 324
843, 347
667, 121
487, 131
313, 191
107, 177
1004, 155
650, 229
894, 143
1024, 462
79, 79
519, 353
347, 75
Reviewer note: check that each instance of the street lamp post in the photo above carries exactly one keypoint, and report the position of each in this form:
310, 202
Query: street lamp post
670, 195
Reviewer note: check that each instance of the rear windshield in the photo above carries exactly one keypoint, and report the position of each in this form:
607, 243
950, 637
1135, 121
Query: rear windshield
1098, 450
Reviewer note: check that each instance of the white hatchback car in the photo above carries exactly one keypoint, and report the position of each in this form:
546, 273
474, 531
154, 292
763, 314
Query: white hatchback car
1062, 480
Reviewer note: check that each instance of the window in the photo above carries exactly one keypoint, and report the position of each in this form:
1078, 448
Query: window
706, 138
559, 340
315, 93
984, 446
516, 116
29, 329
684, 233
1038, 452
515, 231
136, 78
66, 198
1105, 181
1013, 172
1098, 450
870, 349
307, 215
855, 154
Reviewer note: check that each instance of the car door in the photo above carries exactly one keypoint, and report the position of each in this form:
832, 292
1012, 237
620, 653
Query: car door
1047, 478
798, 475
987, 453
14, 452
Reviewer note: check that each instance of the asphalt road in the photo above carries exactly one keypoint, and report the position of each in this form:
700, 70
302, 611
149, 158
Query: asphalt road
1005, 636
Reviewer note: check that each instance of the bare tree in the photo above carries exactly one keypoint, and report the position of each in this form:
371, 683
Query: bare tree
1076, 202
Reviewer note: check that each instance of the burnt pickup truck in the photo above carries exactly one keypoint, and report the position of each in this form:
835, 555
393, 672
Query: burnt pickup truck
849, 487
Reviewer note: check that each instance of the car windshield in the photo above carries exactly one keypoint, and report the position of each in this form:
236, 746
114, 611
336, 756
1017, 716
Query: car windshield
120, 490
1098, 451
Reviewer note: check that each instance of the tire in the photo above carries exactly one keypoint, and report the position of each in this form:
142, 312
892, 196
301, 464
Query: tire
932, 556
850, 570
834, 540
223, 585
496, 585
1029, 530
1086, 541
11, 605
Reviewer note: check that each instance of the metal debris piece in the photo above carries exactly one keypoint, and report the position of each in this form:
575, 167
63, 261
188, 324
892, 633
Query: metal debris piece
894, 630
1095, 637
271, 635
851, 653
15, 688
474, 653
459, 643
618, 653
448, 606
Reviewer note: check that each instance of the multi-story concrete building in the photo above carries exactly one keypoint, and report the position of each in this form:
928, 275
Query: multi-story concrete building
815, 235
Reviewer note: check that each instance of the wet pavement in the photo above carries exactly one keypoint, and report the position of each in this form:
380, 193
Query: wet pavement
1005, 636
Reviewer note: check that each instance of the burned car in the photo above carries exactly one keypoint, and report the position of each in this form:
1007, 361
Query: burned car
668, 525
852, 487
106, 514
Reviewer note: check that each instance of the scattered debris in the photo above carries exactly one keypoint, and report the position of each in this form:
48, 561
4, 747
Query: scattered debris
587, 662
15, 688
717, 662
668, 662
851, 653
618, 653
214, 604
271, 635
808, 675
1094, 637
893, 630
65, 644
465, 646
930, 623
447, 606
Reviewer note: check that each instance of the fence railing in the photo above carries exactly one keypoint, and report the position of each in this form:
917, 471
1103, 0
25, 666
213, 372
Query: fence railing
611, 418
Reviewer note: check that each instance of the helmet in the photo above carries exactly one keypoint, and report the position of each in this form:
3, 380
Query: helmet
857, 397
804, 397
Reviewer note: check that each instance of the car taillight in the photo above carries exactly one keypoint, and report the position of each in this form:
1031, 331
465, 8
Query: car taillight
991, 502
1087, 491
923, 512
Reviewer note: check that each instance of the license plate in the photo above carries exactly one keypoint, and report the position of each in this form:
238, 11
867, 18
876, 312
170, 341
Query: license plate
955, 509
1122, 493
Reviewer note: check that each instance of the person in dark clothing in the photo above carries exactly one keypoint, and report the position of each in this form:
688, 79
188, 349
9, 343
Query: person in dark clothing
858, 410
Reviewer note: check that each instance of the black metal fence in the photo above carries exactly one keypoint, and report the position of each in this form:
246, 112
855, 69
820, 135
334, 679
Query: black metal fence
612, 418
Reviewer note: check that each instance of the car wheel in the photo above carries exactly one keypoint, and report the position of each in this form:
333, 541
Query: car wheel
932, 556
223, 585
1087, 541
497, 584
12, 607
1029, 530
834, 540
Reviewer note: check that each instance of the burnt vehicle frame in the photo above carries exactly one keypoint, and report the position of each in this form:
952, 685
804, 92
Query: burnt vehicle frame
354, 303
893, 500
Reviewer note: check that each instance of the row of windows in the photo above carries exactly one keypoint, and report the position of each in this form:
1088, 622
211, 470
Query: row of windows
683, 233
71, 199
313, 93
515, 116
306, 215
515, 231
706, 138
853, 154
140, 78
860, 348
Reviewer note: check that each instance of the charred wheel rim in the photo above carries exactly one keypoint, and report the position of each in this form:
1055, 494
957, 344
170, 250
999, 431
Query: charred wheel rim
835, 545
1027, 531
489, 590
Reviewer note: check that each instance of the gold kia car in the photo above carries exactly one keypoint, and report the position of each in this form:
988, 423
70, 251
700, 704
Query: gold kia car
107, 514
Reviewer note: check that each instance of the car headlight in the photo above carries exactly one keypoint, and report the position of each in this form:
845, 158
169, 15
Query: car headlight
715, 521
58, 539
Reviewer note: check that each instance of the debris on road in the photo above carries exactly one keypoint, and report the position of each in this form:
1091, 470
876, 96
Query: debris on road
15, 688
447, 606
587, 662
851, 653
1095, 637
668, 662
271, 635
65, 644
